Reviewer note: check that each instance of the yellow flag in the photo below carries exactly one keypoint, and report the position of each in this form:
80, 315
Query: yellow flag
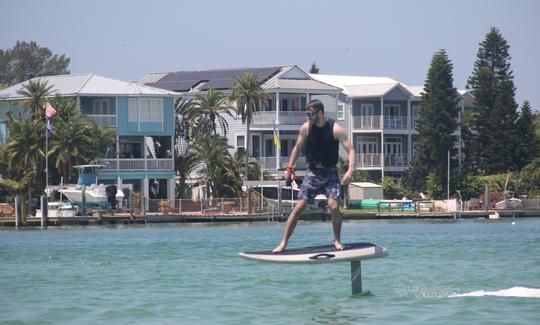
276, 137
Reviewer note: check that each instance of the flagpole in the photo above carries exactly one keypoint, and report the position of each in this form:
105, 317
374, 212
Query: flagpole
46, 156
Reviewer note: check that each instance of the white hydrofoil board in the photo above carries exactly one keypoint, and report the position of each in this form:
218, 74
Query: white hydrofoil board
321, 254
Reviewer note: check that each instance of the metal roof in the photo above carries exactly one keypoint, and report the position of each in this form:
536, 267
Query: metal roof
362, 86
181, 81
89, 85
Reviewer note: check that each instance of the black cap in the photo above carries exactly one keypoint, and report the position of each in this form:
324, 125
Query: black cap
316, 104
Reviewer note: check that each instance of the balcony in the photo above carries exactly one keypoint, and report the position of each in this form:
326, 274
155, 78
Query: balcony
138, 164
269, 163
370, 160
398, 161
395, 122
367, 122
285, 117
103, 120
374, 122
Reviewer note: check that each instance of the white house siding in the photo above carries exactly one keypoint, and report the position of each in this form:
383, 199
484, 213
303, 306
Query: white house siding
294, 73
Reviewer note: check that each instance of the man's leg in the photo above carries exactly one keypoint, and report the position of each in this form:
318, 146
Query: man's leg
336, 221
291, 224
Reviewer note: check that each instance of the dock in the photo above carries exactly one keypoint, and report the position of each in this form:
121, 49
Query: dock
100, 218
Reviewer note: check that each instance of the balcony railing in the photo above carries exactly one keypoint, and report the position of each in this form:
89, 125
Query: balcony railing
367, 122
285, 117
396, 160
395, 122
138, 164
370, 160
374, 122
269, 163
103, 120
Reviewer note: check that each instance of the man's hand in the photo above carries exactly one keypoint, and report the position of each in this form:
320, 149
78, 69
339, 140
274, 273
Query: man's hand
287, 177
347, 177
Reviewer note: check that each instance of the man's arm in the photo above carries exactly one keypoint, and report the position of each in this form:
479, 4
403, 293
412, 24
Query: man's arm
340, 135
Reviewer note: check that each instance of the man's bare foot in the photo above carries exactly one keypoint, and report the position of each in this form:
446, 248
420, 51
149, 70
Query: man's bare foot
338, 245
280, 248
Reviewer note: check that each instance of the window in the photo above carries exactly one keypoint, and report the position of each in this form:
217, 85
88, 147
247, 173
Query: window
284, 105
269, 147
393, 145
367, 145
101, 106
366, 110
391, 110
240, 142
133, 115
256, 146
145, 110
341, 112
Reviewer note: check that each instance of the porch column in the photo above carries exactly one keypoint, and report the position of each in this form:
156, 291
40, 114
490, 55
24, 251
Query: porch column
145, 152
117, 152
382, 137
278, 108
146, 192
409, 122
409, 149
171, 184
409, 132
172, 152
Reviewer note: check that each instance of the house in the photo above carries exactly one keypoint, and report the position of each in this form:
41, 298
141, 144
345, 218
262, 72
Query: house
289, 89
143, 117
379, 114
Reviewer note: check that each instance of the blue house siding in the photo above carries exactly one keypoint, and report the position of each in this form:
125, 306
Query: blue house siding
145, 128
136, 175
376, 106
396, 94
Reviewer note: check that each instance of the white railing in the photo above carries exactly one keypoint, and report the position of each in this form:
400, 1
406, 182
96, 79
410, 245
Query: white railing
369, 160
285, 117
396, 160
292, 117
138, 164
103, 120
269, 163
366, 122
395, 122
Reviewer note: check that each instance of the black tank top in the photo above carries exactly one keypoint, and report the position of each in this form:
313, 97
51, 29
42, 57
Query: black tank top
322, 148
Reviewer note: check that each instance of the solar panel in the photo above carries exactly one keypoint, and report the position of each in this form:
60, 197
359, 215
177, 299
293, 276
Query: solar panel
217, 79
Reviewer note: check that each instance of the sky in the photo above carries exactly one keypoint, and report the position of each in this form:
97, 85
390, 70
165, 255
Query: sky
128, 39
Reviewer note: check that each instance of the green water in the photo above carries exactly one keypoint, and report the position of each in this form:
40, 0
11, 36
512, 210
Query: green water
191, 274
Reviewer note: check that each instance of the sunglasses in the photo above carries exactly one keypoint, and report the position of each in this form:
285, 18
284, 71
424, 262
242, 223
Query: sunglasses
311, 114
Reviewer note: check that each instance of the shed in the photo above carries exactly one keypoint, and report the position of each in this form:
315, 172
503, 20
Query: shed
365, 190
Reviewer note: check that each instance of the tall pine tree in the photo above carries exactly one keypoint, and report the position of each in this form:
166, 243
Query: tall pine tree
495, 110
530, 142
438, 120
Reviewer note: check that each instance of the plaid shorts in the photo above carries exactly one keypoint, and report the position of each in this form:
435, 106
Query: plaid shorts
320, 181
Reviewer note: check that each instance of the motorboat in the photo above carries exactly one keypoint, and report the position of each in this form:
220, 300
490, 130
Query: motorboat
95, 194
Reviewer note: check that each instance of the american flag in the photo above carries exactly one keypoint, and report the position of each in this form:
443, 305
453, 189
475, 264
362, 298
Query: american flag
49, 110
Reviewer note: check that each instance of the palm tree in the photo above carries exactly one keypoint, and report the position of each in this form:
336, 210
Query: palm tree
184, 165
17, 185
23, 154
24, 146
213, 152
35, 93
248, 94
72, 143
206, 112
